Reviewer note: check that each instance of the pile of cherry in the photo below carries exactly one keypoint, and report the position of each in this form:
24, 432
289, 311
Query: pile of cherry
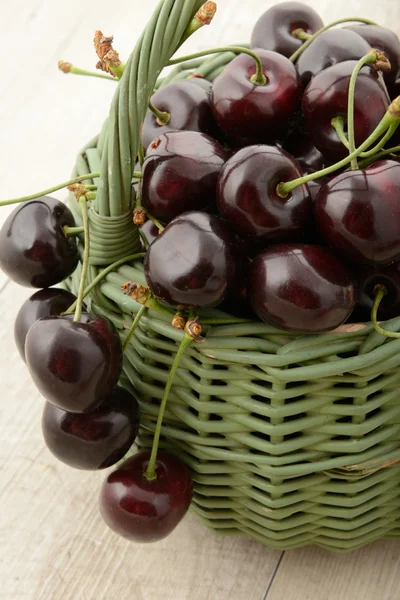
272, 193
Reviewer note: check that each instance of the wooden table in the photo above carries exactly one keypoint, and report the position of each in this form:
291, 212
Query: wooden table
53, 542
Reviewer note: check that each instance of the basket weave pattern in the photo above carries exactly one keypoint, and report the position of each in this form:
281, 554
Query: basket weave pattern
292, 439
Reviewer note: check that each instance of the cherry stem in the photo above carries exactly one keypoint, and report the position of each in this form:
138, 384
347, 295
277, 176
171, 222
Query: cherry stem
338, 125
137, 175
68, 231
382, 154
371, 57
390, 118
150, 472
50, 190
380, 291
300, 34
144, 239
85, 262
204, 16
155, 221
133, 327
258, 78
67, 67
300, 50
162, 118
103, 274
141, 153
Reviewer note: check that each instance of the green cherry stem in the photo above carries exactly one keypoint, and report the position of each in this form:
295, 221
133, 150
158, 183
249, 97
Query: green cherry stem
382, 154
204, 16
103, 274
338, 125
150, 472
391, 117
50, 190
141, 152
68, 231
371, 57
67, 67
144, 239
380, 291
156, 222
162, 117
85, 262
137, 175
133, 327
300, 50
300, 34
258, 78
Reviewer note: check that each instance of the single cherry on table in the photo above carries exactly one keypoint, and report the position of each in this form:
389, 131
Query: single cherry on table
95, 439
144, 510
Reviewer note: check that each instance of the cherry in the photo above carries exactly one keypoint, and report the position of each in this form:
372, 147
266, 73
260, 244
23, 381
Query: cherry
301, 288
150, 230
274, 29
189, 107
44, 303
143, 510
180, 173
202, 82
330, 48
358, 213
34, 251
74, 365
247, 197
370, 276
192, 264
248, 113
326, 96
306, 154
96, 439
382, 38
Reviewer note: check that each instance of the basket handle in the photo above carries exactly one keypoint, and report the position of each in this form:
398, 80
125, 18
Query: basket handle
159, 41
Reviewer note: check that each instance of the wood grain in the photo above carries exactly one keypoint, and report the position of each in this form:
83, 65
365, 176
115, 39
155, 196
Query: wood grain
53, 542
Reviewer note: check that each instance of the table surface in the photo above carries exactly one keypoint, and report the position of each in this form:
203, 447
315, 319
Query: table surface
53, 543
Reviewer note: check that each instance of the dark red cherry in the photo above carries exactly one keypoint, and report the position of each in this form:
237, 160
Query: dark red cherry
96, 439
192, 264
326, 96
301, 288
34, 251
255, 114
247, 197
202, 82
330, 48
75, 365
189, 107
382, 38
44, 303
274, 29
142, 510
358, 213
150, 230
180, 173
370, 276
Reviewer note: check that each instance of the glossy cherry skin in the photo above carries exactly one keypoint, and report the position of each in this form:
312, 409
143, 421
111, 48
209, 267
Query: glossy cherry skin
255, 114
34, 250
247, 197
326, 96
358, 213
330, 48
75, 365
273, 30
96, 439
192, 264
382, 38
180, 173
142, 510
370, 276
44, 303
202, 82
189, 107
305, 153
300, 287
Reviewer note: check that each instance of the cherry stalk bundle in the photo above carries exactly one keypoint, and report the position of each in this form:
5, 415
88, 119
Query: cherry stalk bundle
226, 284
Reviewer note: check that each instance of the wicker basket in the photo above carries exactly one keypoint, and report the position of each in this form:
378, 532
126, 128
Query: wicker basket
292, 439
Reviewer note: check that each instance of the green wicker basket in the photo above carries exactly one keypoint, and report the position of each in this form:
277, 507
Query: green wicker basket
292, 439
